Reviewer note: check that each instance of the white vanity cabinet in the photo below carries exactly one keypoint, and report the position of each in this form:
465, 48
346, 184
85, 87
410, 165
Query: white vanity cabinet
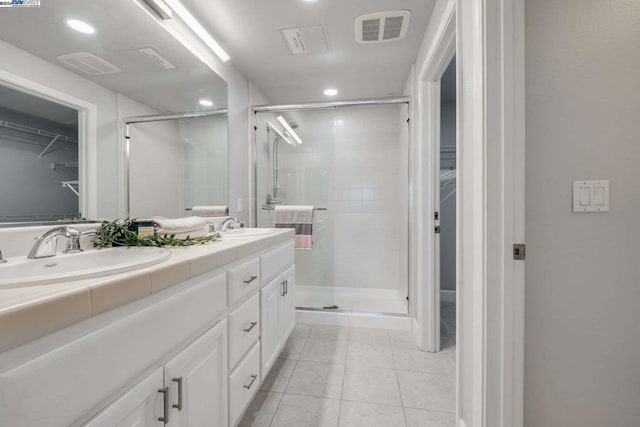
189, 390
141, 406
277, 315
196, 382
193, 354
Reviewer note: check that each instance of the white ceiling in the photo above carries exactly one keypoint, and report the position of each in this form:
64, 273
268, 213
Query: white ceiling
249, 31
121, 28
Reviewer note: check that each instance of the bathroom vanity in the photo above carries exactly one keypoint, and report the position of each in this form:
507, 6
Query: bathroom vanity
186, 342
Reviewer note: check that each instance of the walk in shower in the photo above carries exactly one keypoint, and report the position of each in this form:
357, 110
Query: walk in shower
350, 162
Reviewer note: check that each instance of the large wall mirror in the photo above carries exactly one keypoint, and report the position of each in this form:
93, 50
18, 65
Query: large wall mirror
171, 165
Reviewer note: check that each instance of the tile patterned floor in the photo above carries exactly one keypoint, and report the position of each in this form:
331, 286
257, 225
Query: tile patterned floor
330, 376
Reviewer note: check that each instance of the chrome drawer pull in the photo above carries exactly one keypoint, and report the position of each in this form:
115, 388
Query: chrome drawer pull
253, 379
179, 405
251, 279
253, 325
165, 398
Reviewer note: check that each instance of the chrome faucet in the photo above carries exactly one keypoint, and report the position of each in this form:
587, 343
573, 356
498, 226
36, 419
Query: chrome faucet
228, 223
46, 244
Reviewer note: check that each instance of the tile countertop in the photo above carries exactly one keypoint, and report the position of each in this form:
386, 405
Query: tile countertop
29, 312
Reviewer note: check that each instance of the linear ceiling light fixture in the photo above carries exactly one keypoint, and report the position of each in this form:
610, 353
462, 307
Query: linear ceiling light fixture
289, 129
280, 134
198, 29
160, 8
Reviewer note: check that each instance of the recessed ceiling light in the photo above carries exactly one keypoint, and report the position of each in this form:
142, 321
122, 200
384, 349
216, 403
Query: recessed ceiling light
80, 26
330, 92
206, 103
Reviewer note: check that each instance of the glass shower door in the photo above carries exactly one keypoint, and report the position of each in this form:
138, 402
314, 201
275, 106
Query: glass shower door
352, 167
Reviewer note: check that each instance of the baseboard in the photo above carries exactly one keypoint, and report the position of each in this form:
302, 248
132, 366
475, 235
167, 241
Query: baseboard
447, 296
351, 319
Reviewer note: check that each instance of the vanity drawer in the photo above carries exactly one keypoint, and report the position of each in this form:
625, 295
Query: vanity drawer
243, 383
274, 262
243, 280
244, 329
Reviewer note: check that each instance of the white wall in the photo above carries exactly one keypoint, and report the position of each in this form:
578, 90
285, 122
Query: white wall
582, 352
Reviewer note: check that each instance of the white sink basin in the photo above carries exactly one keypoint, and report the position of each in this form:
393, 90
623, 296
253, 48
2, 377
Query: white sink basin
83, 265
246, 232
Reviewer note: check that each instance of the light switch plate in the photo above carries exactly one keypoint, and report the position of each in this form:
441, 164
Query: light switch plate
591, 196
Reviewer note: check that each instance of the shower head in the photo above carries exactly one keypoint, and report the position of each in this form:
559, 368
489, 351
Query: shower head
293, 125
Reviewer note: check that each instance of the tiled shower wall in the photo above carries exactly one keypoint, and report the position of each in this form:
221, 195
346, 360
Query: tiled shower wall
354, 162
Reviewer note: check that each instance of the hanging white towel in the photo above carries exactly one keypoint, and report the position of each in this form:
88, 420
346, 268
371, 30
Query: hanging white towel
180, 225
300, 218
210, 211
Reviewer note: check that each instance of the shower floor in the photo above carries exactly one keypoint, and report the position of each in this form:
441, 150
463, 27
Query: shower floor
352, 299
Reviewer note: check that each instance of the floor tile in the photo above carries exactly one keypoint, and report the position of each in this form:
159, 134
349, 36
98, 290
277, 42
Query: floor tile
318, 379
368, 336
320, 350
301, 330
414, 359
306, 411
262, 409
279, 375
373, 385
360, 414
293, 348
422, 418
401, 338
329, 332
370, 355
427, 391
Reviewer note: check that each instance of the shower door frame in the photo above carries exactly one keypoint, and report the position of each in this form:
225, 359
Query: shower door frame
126, 144
328, 105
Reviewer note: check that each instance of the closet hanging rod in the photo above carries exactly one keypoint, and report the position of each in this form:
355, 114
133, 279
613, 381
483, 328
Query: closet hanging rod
36, 131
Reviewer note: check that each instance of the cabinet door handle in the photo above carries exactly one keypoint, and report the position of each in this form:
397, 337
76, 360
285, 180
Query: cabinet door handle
165, 399
253, 325
250, 279
286, 287
283, 291
253, 379
179, 405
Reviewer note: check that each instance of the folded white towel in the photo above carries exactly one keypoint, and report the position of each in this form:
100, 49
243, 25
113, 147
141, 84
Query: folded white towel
193, 234
210, 211
180, 225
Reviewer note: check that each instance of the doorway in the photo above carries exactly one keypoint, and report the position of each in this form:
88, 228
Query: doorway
446, 208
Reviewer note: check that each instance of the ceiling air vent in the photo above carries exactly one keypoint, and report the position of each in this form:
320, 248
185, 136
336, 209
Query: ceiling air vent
382, 26
88, 63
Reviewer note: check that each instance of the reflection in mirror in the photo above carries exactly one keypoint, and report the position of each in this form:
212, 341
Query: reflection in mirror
129, 66
38, 159
181, 160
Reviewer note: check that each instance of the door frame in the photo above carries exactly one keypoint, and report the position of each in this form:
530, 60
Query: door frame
489, 44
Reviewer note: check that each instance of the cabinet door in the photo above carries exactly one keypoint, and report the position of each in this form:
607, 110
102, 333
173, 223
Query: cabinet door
141, 406
197, 380
270, 337
288, 303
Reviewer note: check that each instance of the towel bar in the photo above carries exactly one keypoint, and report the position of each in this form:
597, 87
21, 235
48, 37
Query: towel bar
271, 208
